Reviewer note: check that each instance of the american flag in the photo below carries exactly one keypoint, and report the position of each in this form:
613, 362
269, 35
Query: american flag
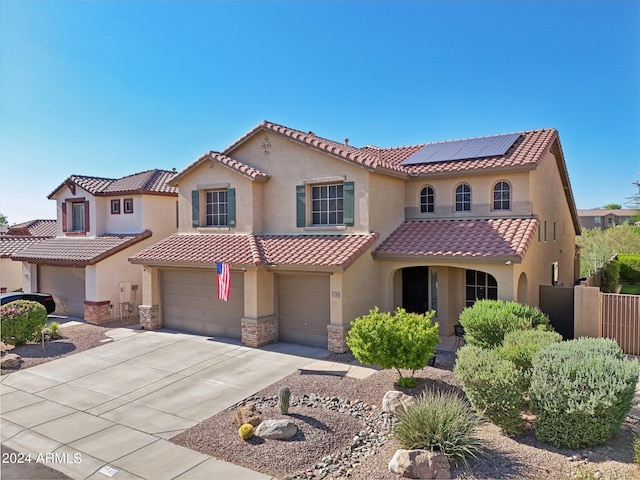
224, 281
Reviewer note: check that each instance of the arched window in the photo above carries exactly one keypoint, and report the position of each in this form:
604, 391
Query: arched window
427, 200
480, 285
463, 198
502, 196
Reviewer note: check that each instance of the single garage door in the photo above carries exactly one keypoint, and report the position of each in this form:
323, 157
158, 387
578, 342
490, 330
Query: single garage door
190, 302
303, 309
66, 284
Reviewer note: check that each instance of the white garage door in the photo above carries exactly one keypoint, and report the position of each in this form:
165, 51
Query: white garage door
303, 309
190, 302
66, 284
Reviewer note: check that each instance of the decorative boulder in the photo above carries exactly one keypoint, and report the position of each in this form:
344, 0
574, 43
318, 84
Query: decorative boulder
420, 464
394, 400
276, 429
247, 414
10, 360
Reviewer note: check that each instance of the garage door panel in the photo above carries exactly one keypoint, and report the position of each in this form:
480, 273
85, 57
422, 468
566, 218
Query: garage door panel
67, 285
303, 309
190, 302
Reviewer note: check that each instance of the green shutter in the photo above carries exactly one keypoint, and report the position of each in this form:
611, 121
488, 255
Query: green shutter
195, 208
301, 209
231, 207
348, 190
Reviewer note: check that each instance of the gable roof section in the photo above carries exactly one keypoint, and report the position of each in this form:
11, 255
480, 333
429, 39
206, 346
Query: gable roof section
482, 239
351, 154
78, 251
237, 166
150, 182
323, 251
34, 228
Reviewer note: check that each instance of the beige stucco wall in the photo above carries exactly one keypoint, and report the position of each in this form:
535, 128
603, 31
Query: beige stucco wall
358, 292
481, 195
290, 164
10, 274
210, 175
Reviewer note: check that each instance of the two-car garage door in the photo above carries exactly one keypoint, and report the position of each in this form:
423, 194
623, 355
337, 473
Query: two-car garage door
190, 302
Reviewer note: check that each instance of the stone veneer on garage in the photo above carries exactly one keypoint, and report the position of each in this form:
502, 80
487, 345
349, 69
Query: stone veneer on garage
97, 313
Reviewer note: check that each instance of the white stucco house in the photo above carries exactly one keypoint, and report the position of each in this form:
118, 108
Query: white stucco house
100, 223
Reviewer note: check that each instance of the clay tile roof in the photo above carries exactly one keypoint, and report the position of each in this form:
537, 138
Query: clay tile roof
527, 150
315, 250
292, 250
242, 168
34, 228
10, 244
153, 182
78, 251
352, 154
480, 238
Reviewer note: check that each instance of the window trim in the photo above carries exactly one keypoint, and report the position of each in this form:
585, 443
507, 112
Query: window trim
125, 202
462, 203
508, 191
217, 202
199, 207
304, 205
327, 211
115, 207
67, 216
486, 286
429, 191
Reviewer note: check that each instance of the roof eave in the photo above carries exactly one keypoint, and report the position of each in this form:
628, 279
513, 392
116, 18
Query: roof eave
444, 258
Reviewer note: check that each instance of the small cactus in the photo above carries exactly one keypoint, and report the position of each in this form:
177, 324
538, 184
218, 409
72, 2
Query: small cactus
284, 394
245, 431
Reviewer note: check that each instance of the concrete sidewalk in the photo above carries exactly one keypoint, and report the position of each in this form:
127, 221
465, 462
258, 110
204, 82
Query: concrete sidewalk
109, 412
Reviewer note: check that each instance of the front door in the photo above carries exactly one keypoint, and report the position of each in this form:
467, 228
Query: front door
415, 289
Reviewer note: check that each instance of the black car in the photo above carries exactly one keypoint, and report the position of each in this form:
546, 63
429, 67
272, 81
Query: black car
44, 298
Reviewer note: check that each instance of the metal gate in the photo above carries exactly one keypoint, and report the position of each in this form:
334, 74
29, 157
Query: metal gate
557, 303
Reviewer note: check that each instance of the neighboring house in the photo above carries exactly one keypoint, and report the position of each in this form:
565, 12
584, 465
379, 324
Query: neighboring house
318, 232
100, 223
603, 219
14, 239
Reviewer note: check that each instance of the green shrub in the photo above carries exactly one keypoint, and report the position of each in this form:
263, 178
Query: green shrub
494, 386
441, 422
520, 346
402, 340
629, 267
22, 321
581, 391
610, 276
52, 331
487, 321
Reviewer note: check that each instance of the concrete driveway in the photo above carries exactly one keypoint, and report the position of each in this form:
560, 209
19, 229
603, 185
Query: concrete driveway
108, 412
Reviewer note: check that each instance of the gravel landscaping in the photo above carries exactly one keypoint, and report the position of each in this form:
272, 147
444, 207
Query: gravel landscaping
343, 434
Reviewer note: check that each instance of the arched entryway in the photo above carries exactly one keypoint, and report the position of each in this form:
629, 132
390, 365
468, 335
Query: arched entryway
523, 287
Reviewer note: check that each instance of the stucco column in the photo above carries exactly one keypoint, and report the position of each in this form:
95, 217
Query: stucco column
259, 325
150, 309
587, 310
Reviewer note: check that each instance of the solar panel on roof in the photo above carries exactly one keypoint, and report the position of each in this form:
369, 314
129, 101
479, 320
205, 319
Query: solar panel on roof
463, 149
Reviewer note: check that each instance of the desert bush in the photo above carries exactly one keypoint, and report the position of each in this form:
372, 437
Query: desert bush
442, 422
610, 276
52, 331
629, 267
487, 321
520, 346
22, 321
399, 340
581, 391
493, 385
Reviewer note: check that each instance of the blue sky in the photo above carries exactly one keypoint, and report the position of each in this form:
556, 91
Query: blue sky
111, 88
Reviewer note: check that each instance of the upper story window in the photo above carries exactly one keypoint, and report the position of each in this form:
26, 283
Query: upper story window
216, 208
213, 207
77, 217
128, 205
115, 206
463, 198
502, 196
324, 203
327, 204
427, 200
